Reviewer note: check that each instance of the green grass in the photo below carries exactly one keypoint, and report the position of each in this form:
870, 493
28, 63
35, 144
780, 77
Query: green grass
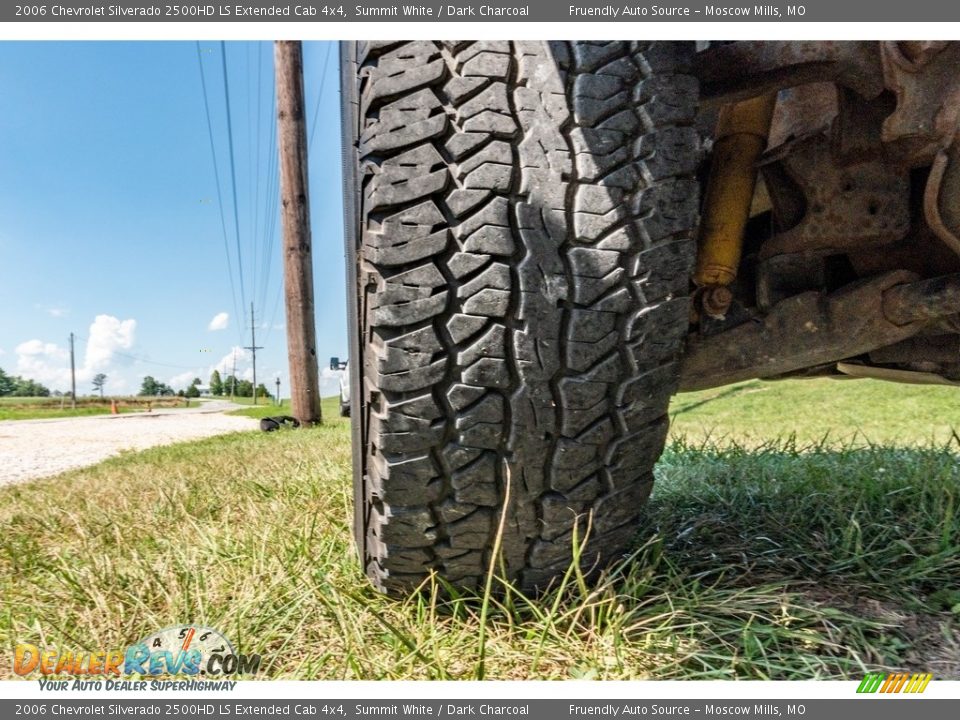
261, 401
821, 410
46, 413
266, 410
44, 408
780, 559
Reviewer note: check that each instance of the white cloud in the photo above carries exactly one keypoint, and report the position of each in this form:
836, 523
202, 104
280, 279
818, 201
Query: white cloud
183, 380
225, 365
2, 351
107, 336
56, 311
329, 382
219, 322
48, 363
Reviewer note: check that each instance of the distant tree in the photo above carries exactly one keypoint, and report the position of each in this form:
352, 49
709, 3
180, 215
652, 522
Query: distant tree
262, 391
7, 384
229, 385
16, 386
99, 380
149, 386
181, 393
194, 389
245, 388
29, 388
216, 384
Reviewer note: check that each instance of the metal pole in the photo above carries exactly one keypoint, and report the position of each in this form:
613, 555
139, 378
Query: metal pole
295, 216
253, 347
278, 392
73, 377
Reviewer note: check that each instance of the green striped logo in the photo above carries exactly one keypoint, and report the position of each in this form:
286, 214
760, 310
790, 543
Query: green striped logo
895, 683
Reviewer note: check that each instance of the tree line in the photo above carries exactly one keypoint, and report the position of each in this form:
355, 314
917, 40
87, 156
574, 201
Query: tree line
219, 387
16, 386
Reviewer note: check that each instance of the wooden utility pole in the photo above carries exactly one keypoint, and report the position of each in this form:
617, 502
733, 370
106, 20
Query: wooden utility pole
73, 377
295, 216
253, 347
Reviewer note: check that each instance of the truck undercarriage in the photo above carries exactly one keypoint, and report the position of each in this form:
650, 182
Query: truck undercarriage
816, 268
546, 241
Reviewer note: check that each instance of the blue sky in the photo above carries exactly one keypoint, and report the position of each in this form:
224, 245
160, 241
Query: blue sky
109, 220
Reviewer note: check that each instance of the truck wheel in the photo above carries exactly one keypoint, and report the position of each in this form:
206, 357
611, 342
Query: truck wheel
520, 217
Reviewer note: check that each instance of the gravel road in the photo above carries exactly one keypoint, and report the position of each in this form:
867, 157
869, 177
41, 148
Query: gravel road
37, 448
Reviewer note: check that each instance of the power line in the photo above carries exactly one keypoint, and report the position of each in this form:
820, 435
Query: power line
84, 338
259, 106
269, 256
313, 126
216, 174
276, 306
316, 110
154, 362
273, 199
251, 177
271, 229
233, 169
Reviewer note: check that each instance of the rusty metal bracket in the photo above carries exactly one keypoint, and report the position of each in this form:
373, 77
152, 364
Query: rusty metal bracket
802, 331
861, 204
925, 79
925, 300
740, 70
921, 75
814, 328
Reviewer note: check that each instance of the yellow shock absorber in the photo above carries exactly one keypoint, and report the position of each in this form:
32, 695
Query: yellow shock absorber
741, 137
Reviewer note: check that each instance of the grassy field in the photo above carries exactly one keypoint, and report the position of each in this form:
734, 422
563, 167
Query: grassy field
261, 401
44, 408
758, 557
266, 409
821, 411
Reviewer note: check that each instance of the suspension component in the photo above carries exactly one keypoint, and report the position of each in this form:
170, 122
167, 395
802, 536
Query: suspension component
741, 137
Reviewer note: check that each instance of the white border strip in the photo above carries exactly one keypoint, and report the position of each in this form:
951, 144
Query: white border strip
478, 30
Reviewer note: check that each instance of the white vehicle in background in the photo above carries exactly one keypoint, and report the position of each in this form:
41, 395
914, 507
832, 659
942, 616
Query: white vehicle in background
335, 364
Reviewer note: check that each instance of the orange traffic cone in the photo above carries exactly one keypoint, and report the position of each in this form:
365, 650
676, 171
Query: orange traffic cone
113, 407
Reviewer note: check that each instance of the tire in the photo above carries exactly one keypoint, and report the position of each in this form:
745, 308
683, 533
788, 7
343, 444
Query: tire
524, 222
